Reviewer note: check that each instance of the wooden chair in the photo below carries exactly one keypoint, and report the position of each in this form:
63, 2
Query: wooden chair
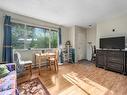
42, 61
93, 53
53, 60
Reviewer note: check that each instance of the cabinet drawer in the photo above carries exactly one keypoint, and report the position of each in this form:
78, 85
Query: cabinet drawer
118, 60
114, 67
101, 52
115, 53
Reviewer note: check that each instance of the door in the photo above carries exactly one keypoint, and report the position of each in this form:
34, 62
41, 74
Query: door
80, 39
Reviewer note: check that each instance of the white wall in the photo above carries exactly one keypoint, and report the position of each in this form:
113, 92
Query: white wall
91, 37
72, 36
65, 35
29, 20
104, 28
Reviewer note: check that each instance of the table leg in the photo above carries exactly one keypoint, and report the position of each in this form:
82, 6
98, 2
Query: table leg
50, 64
57, 65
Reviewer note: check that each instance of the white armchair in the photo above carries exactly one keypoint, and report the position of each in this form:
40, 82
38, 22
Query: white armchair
26, 64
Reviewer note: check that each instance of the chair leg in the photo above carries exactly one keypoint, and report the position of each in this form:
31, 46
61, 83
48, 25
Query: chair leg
50, 64
31, 69
39, 69
55, 65
47, 65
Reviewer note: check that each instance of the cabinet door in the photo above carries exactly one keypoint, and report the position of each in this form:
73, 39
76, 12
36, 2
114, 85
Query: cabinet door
100, 60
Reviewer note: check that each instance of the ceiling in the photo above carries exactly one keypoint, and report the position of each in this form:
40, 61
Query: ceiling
67, 12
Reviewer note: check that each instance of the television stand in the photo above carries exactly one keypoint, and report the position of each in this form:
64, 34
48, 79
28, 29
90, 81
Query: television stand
114, 60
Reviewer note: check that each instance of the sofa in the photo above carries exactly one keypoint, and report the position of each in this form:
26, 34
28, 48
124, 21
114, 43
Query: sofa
8, 83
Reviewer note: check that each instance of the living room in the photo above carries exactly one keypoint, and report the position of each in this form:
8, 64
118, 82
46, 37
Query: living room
47, 48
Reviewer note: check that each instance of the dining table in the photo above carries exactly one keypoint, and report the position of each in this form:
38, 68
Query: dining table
38, 56
43, 58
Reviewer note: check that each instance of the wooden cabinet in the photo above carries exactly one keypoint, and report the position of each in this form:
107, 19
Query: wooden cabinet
113, 60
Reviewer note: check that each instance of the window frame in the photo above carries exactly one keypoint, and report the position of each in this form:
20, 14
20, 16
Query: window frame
41, 27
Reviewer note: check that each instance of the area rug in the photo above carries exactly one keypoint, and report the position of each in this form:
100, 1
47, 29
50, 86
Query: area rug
32, 87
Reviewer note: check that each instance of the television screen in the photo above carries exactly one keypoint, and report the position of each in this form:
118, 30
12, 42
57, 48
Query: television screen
112, 43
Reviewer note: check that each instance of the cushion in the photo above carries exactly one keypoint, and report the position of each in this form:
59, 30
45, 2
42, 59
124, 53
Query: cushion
3, 70
11, 67
8, 82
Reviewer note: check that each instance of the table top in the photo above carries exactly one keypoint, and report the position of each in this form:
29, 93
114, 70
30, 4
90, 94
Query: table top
45, 54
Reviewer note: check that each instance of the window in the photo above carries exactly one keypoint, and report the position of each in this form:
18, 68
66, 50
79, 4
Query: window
54, 38
39, 37
18, 32
25, 37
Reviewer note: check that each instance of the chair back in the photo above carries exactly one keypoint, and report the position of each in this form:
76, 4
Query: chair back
43, 59
17, 57
94, 49
40, 58
56, 54
48, 50
37, 57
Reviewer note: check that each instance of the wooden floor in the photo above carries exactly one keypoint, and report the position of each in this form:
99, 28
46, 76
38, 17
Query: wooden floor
81, 79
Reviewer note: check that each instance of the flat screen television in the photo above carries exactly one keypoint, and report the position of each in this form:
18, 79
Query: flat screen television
112, 43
